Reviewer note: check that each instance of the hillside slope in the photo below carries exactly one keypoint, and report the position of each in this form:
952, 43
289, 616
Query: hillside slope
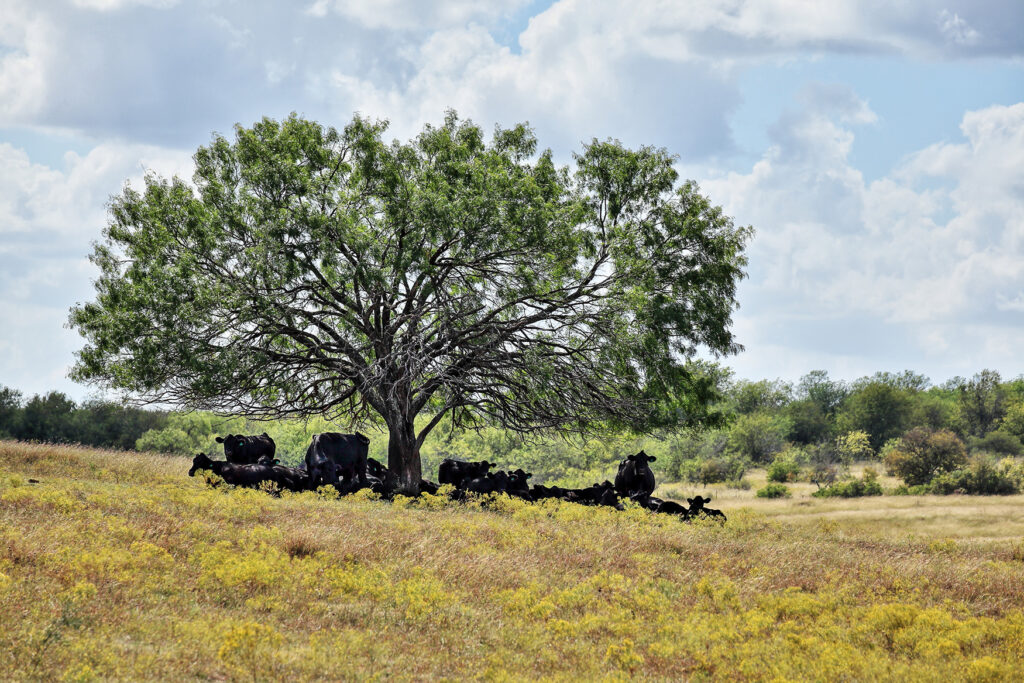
117, 565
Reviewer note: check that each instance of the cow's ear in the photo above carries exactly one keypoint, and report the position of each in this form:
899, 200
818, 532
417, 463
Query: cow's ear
529, 474
689, 501
652, 458
219, 439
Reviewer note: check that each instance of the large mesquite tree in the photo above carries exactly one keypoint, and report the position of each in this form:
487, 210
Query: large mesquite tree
308, 270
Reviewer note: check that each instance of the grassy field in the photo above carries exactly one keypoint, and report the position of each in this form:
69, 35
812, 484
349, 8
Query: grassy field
117, 565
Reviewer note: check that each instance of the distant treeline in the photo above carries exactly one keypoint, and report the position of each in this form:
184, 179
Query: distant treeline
809, 430
56, 418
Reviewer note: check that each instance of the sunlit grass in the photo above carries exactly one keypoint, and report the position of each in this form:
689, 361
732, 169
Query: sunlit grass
118, 565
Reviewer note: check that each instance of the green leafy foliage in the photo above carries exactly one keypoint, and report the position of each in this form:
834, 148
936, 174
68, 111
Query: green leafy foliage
757, 437
56, 418
786, 466
867, 485
923, 453
998, 441
981, 400
877, 408
774, 490
982, 477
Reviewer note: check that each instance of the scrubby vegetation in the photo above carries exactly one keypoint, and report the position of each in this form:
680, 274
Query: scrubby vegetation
809, 432
119, 566
774, 490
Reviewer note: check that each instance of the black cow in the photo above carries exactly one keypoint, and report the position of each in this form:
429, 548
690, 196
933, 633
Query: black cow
540, 492
667, 507
496, 482
697, 509
375, 468
598, 494
247, 475
388, 479
635, 476
321, 468
456, 472
332, 455
517, 484
245, 450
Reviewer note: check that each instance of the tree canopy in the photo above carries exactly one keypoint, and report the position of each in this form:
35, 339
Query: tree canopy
309, 270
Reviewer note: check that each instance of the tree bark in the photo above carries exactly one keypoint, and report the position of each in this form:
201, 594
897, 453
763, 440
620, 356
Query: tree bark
404, 455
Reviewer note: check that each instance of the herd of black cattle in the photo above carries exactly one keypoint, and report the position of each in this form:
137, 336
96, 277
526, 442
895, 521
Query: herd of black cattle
340, 460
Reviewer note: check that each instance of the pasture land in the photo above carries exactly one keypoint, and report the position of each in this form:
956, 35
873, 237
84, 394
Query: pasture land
117, 565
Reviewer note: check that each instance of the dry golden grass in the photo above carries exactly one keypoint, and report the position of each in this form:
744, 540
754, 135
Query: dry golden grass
118, 565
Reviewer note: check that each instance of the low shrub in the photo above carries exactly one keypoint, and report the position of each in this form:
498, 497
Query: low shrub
713, 471
784, 468
774, 490
981, 478
923, 454
916, 490
850, 489
999, 441
866, 486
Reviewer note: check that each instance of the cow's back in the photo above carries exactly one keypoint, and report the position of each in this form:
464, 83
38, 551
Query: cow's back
246, 450
347, 451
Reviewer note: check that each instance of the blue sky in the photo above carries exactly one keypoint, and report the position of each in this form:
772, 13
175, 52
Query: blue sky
877, 148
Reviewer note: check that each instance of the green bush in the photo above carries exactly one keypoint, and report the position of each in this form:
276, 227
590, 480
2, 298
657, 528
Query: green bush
922, 454
865, 486
850, 489
713, 471
757, 437
980, 478
999, 441
784, 468
774, 491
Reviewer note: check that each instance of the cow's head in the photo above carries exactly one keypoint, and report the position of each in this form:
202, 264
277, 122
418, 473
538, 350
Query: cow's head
518, 478
697, 502
642, 458
200, 462
231, 442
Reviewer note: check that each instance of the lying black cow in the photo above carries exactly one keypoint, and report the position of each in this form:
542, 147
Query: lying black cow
635, 475
244, 450
540, 492
517, 484
496, 482
332, 456
457, 472
598, 494
388, 479
697, 509
668, 507
290, 478
246, 475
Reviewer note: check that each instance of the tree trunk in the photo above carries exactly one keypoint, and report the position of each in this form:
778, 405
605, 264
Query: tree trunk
404, 456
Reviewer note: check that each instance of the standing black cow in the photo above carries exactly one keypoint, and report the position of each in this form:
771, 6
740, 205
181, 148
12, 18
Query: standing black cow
635, 475
332, 455
245, 450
